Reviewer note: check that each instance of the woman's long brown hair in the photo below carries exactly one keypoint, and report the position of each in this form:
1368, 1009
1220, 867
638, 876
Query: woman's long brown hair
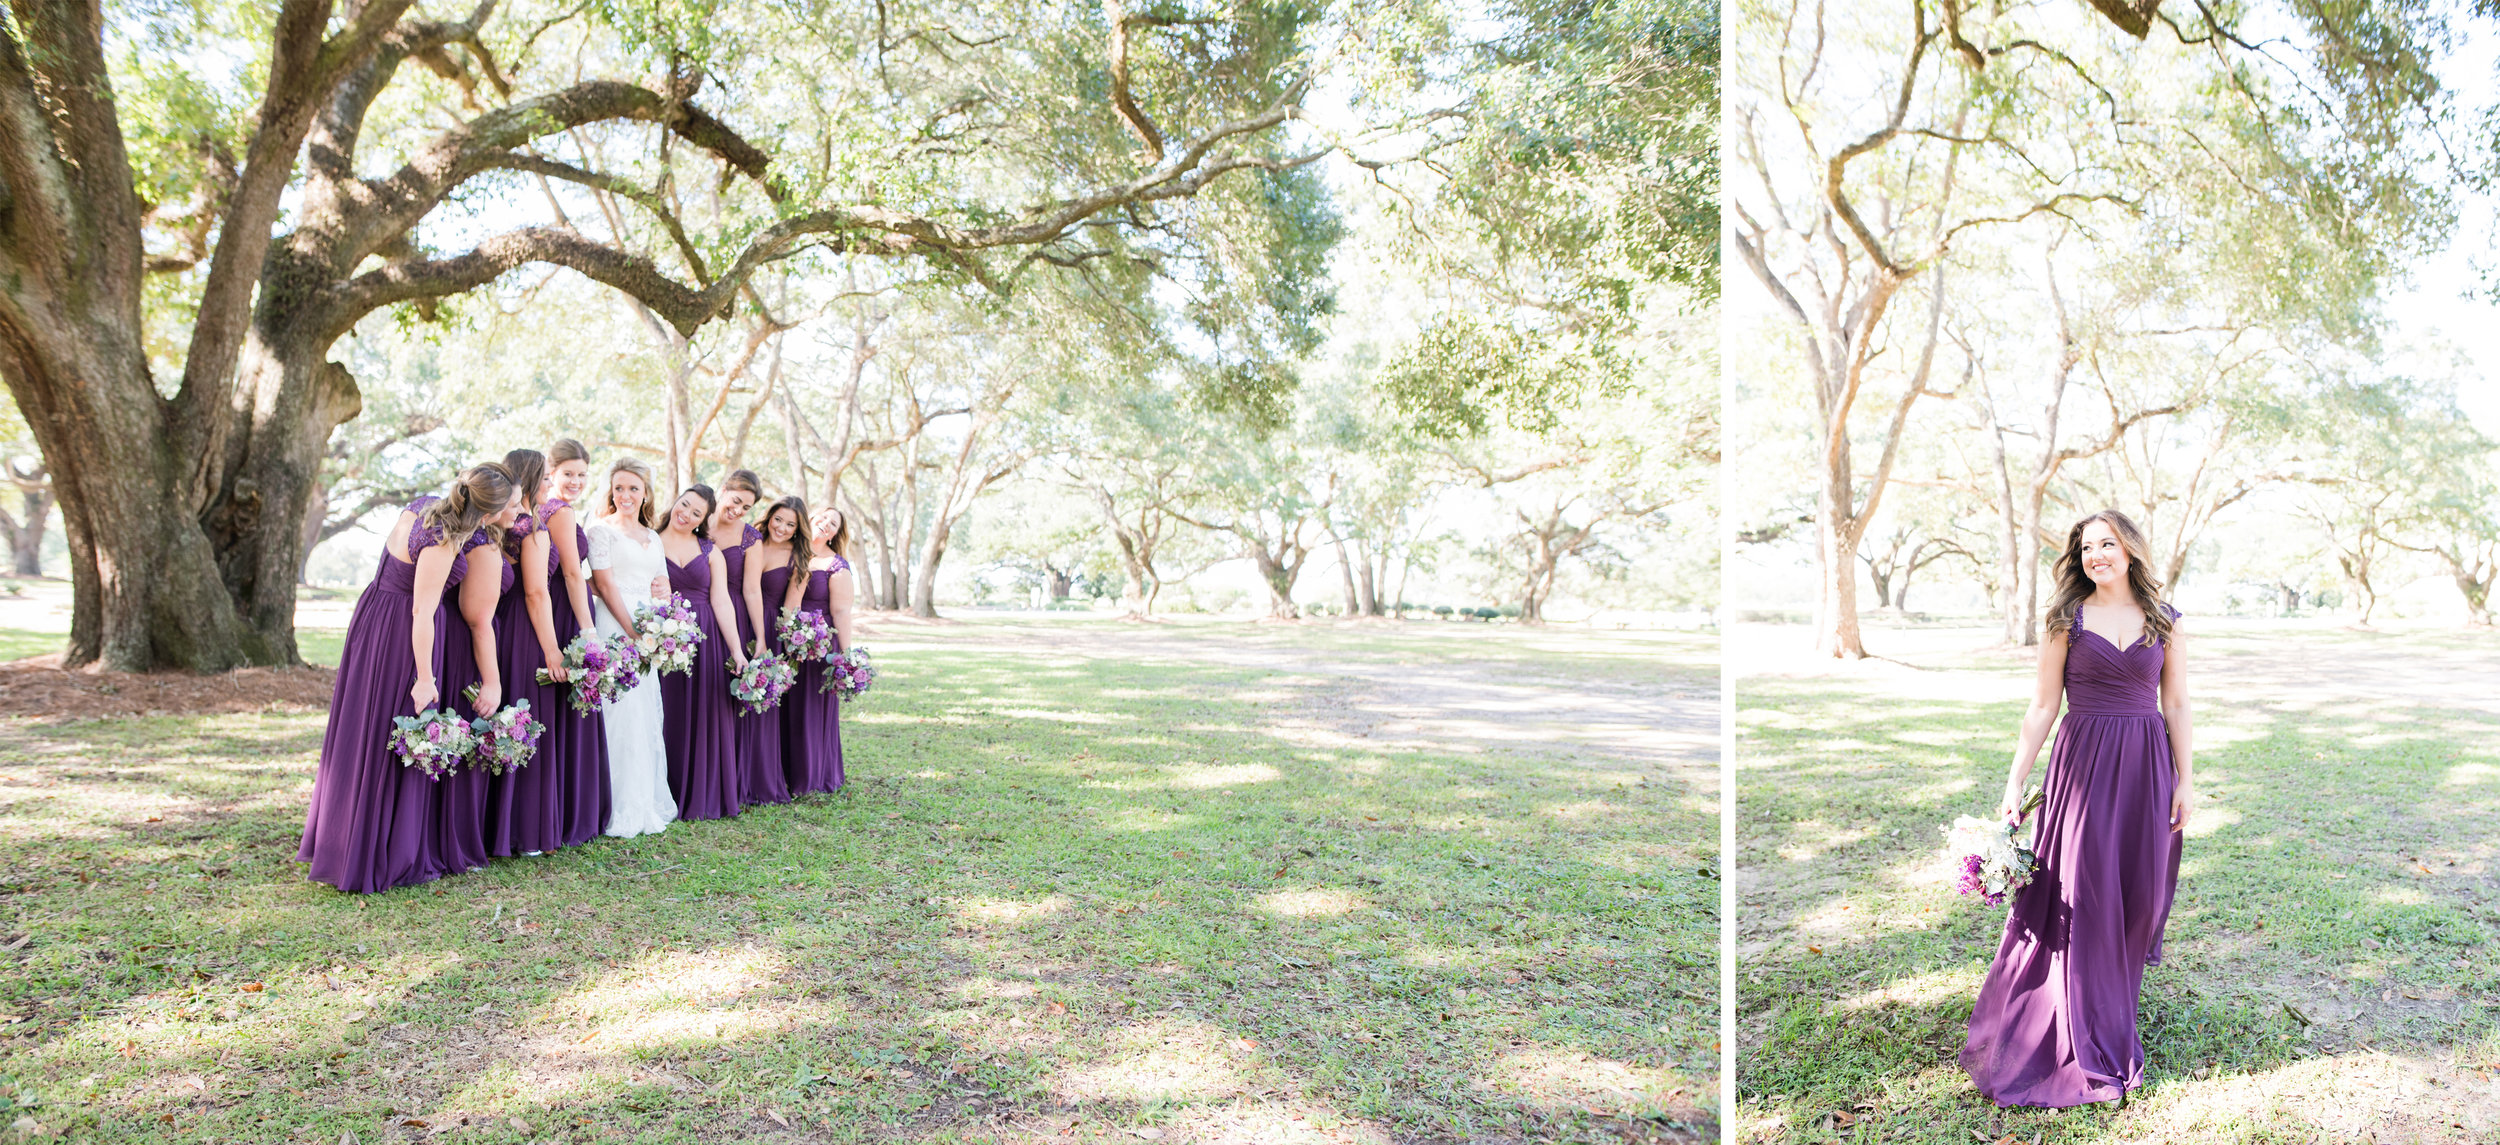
2073, 587
481, 492
797, 506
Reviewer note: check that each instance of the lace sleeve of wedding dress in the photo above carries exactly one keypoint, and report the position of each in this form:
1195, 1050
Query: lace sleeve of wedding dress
602, 547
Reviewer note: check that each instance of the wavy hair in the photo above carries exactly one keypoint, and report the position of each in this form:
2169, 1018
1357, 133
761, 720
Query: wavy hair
633, 465
529, 473
2074, 587
797, 506
481, 491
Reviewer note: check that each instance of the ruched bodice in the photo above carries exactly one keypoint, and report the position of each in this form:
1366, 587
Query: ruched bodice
2102, 680
818, 596
693, 579
775, 586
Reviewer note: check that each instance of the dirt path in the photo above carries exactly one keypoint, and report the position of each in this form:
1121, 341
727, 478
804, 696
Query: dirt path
2294, 666
1629, 701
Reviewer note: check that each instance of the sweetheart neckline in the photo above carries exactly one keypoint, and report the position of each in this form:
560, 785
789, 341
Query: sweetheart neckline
2113, 645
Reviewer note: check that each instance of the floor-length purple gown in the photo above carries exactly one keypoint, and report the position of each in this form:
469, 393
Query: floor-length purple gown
2055, 1024
700, 720
456, 841
525, 806
581, 740
759, 736
811, 720
365, 828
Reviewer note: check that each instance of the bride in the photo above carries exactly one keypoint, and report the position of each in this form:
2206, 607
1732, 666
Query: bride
625, 561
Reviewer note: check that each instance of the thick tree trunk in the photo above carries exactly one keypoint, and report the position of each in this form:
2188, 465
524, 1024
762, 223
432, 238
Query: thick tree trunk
256, 521
1836, 606
924, 577
1278, 574
1368, 584
1345, 572
145, 589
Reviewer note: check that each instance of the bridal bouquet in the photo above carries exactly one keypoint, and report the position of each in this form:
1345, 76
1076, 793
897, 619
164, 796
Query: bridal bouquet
600, 670
806, 635
505, 740
669, 635
758, 687
1986, 860
433, 741
849, 674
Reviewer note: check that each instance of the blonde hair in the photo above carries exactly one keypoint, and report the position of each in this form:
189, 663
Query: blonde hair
633, 465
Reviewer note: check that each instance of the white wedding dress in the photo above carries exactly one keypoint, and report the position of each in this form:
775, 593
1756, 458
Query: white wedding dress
638, 799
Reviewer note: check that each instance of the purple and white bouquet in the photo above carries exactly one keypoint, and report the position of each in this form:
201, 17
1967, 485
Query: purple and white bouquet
806, 635
599, 670
433, 741
1986, 860
669, 634
758, 686
849, 674
507, 739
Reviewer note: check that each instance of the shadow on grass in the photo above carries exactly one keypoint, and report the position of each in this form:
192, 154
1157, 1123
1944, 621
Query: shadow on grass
1078, 896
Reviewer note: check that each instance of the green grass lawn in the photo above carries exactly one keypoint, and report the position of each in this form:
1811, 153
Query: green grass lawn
2333, 942
1066, 891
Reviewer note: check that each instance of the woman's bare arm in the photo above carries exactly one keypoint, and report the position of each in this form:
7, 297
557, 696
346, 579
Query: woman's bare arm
838, 589
479, 591
2048, 691
721, 615
2176, 714
559, 532
752, 594
541, 606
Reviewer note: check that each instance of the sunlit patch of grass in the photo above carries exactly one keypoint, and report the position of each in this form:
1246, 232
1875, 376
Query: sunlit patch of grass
1060, 890
2332, 947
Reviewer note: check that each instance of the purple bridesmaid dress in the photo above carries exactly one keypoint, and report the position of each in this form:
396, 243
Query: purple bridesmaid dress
811, 720
366, 824
457, 839
699, 719
2055, 1022
581, 742
525, 808
759, 736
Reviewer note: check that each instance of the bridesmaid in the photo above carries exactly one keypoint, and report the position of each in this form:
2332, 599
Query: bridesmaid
811, 720
525, 808
2055, 1023
771, 564
458, 837
365, 828
759, 736
580, 750
700, 719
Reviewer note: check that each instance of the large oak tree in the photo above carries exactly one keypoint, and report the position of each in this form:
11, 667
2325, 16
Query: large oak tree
984, 143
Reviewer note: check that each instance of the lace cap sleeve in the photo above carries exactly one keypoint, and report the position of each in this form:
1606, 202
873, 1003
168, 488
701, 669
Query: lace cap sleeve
482, 538
748, 535
838, 565
422, 536
602, 547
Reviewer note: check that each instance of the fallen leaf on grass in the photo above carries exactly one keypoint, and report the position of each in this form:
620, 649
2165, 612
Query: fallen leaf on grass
775, 1114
